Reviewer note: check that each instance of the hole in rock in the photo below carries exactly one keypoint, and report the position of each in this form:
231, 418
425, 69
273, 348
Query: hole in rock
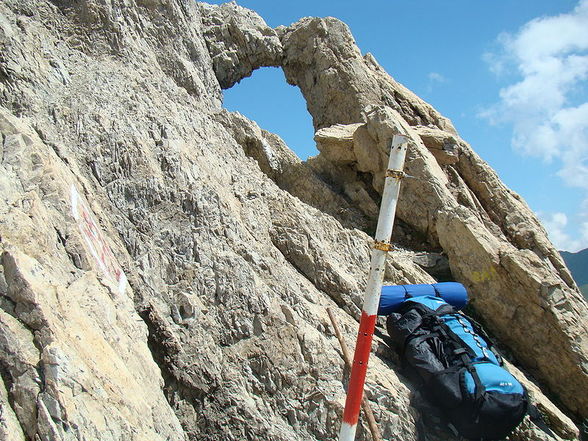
275, 106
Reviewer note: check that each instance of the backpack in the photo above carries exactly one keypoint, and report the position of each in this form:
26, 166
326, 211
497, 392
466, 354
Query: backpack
462, 375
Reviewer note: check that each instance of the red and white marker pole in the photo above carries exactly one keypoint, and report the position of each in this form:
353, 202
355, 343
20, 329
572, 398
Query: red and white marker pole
371, 301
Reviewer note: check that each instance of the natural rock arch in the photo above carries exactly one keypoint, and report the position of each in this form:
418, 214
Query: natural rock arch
495, 244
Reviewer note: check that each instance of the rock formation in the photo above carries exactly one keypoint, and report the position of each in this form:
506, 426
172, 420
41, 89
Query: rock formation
167, 265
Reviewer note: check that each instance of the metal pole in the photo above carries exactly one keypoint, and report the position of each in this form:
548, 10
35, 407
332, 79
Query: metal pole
365, 404
367, 323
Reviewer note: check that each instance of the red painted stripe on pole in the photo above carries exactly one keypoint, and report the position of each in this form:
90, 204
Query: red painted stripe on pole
363, 348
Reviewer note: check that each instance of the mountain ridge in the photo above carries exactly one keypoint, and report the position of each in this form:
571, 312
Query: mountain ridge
578, 265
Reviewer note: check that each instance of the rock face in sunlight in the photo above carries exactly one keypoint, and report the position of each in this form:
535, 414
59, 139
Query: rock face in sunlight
166, 264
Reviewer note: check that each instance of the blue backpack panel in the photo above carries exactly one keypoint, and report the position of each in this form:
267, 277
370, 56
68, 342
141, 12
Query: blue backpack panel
462, 375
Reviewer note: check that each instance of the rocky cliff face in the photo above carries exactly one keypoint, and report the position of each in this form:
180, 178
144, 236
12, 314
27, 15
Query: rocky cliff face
167, 265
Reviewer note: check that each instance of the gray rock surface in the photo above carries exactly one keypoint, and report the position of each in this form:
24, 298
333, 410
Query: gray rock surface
238, 41
167, 265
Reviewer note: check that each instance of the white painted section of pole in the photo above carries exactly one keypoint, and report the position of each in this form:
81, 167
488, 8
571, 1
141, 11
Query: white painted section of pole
371, 303
385, 223
347, 432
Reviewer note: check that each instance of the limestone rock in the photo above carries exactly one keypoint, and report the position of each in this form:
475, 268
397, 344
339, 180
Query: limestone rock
21, 358
443, 145
282, 166
455, 200
560, 423
435, 264
238, 41
182, 292
225, 266
336, 142
75, 349
320, 57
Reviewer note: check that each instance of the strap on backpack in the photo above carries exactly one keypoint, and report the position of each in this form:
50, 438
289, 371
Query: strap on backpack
482, 333
537, 418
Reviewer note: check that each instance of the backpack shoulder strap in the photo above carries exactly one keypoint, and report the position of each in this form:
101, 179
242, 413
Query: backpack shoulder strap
537, 418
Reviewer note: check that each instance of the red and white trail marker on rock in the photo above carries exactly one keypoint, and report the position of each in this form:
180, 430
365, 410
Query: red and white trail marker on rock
96, 242
371, 301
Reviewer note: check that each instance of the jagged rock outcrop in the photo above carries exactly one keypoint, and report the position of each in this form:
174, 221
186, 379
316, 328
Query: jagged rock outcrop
74, 358
321, 57
238, 41
167, 265
495, 244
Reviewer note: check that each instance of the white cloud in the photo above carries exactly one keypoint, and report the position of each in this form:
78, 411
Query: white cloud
556, 225
496, 62
550, 55
584, 230
436, 77
547, 105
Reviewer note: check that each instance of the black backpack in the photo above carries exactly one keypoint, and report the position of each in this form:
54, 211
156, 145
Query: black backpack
461, 374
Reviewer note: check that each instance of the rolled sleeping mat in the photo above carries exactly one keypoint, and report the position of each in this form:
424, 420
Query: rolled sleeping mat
393, 296
453, 293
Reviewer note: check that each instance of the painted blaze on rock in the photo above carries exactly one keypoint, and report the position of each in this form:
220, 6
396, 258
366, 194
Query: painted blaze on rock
96, 242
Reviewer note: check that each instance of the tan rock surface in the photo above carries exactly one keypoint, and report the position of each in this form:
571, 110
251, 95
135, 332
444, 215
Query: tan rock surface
75, 348
13, 342
231, 245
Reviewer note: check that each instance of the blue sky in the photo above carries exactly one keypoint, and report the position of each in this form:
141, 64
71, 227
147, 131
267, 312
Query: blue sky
512, 75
